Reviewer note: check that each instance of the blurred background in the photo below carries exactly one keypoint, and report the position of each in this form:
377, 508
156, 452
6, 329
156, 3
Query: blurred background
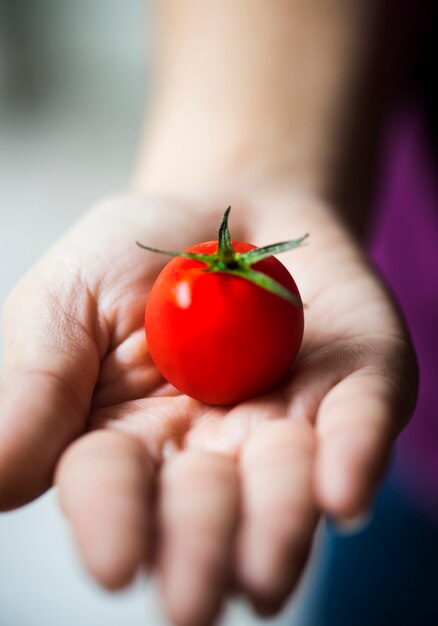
72, 93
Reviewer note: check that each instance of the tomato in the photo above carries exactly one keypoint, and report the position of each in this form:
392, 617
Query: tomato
217, 336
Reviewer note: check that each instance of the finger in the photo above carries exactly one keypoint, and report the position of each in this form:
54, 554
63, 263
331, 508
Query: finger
279, 515
356, 424
105, 486
199, 502
51, 365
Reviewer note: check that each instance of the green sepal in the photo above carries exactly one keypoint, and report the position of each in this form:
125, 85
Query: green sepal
203, 258
258, 254
263, 281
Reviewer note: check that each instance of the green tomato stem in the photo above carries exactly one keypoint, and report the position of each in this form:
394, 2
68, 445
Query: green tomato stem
225, 249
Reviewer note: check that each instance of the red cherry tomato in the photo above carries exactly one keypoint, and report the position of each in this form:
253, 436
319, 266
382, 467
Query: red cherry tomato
220, 338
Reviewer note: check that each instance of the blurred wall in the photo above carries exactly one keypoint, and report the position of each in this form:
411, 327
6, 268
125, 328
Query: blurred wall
73, 83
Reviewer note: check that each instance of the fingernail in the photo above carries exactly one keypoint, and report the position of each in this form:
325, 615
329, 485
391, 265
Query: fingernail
352, 525
170, 448
267, 608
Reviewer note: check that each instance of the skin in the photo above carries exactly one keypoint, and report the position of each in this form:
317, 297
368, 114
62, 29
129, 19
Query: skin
213, 499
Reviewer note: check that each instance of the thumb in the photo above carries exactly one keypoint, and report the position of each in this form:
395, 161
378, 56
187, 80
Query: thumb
51, 363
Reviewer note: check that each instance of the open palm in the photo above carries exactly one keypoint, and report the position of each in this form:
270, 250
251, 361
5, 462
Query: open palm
208, 495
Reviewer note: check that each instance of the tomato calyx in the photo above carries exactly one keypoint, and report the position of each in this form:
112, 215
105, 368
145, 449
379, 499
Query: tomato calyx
226, 260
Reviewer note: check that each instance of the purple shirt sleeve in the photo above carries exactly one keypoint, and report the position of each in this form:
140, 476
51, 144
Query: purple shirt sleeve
403, 243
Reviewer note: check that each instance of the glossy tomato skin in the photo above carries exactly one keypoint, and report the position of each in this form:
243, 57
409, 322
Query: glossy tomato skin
220, 338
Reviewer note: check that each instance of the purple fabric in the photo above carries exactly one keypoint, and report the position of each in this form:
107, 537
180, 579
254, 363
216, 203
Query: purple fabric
404, 245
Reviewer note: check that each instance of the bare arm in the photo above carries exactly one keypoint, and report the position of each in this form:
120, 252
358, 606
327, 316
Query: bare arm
252, 92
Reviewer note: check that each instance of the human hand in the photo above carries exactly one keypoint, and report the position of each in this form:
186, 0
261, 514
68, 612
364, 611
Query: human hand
240, 499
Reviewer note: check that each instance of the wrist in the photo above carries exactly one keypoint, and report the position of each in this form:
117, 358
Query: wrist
248, 97
190, 153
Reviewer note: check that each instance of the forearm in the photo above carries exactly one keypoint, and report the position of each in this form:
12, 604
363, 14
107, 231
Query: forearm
251, 91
